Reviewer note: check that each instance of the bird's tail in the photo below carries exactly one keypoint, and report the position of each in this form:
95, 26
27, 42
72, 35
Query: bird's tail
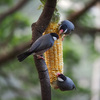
22, 56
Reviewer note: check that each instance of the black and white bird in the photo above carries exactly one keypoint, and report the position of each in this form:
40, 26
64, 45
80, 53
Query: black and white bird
41, 45
66, 27
65, 83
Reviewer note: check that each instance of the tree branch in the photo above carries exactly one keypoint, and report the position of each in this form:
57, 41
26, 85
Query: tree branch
42, 26
37, 30
10, 36
86, 30
13, 53
4, 58
76, 15
13, 10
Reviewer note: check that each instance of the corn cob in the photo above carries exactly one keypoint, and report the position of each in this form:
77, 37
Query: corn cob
54, 56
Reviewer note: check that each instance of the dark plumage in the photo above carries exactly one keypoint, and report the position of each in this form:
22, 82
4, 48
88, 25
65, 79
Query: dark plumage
41, 45
66, 27
65, 83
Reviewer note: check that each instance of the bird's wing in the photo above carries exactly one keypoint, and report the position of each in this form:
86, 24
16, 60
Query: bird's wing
34, 46
44, 42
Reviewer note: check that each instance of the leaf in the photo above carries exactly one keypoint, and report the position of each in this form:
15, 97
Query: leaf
40, 6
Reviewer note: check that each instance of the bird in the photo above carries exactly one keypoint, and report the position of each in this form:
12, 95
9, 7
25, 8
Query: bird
64, 83
41, 45
65, 28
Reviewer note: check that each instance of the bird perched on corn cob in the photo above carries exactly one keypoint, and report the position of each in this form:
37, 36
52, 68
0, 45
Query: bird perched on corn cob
65, 28
54, 56
64, 83
41, 45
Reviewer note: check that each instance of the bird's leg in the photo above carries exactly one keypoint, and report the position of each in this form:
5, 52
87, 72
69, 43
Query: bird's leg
56, 87
40, 57
63, 37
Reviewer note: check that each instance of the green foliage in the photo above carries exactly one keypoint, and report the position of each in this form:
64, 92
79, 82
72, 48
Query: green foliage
69, 11
7, 2
10, 25
71, 53
56, 16
40, 7
22, 21
43, 1
78, 52
87, 20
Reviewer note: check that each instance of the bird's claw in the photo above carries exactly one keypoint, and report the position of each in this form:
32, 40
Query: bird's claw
40, 57
56, 87
63, 37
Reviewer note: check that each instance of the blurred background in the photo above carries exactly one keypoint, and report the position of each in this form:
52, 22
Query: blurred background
81, 50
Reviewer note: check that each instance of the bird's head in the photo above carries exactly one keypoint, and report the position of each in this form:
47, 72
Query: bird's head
61, 77
65, 83
55, 36
66, 27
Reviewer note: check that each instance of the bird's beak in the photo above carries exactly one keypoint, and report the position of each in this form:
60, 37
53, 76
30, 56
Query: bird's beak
57, 74
61, 31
